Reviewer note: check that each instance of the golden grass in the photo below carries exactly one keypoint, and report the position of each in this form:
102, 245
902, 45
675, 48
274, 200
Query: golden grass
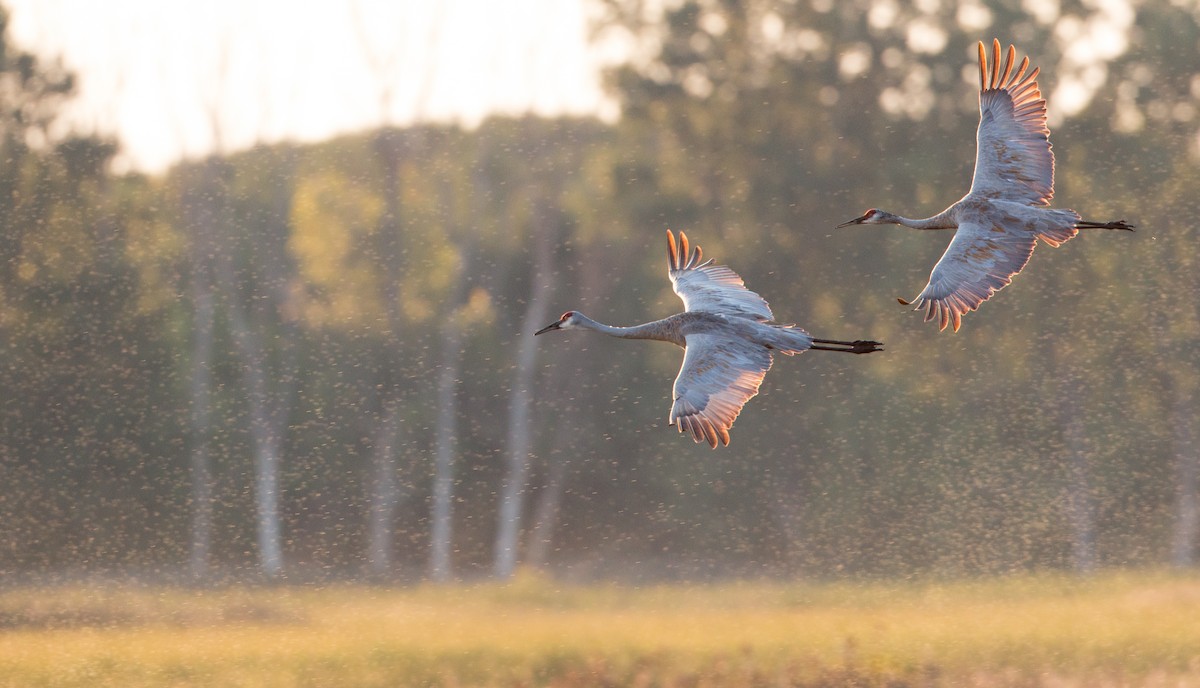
1116, 629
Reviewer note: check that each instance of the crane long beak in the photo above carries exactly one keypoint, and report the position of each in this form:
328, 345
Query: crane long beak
856, 221
552, 326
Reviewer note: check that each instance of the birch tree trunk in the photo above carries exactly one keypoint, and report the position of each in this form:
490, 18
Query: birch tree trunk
1079, 501
383, 492
265, 422
441, 531
520, 441
595, 280
201, 193
200, 418
274, 297
268, 418
549, 503
1186, 529
257, 297
445, 449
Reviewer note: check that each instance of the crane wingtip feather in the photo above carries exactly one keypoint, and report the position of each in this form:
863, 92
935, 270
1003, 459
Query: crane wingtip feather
1009, 61
710, 434
982, 67
995, 61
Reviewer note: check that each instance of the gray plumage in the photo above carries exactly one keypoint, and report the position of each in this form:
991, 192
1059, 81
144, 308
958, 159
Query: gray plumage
728, 336
1001, 218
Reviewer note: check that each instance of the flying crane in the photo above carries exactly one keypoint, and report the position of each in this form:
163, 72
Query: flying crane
1001, 218
728, 335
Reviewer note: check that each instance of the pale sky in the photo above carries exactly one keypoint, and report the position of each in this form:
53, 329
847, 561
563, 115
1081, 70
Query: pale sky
169, 77
179, 79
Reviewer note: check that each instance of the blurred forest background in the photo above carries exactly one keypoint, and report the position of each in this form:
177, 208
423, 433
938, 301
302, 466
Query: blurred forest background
316, 362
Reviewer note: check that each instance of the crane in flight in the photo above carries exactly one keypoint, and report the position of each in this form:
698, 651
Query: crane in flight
728, 336
1001, 218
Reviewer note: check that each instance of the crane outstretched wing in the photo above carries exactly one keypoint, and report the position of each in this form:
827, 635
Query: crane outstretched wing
980, 261
708, 287
1013, 159
719, 375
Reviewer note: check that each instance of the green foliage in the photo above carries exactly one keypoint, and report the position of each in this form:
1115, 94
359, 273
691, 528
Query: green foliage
755, 127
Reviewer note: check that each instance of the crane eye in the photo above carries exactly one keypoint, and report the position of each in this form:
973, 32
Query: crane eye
567, 315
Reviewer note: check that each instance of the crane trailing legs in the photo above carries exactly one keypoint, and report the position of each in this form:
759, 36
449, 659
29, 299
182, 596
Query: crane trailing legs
728, 336
997, 224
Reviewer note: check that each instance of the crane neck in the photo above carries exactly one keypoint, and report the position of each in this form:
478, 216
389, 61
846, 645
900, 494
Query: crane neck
665, 330
943, 220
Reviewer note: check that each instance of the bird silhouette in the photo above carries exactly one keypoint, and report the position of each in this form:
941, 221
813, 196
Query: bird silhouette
1001, 218
728, 336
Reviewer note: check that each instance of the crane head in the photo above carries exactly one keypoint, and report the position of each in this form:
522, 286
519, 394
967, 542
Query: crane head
566, 322
874, 216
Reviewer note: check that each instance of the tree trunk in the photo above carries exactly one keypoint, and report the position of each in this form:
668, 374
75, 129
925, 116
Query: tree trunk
441, 530
446, 446
268, 418
268, 388
1079, 503
385, 492
545, 512
520, 442
200, 421
200, 201
1187, 475
596, 282
786, 507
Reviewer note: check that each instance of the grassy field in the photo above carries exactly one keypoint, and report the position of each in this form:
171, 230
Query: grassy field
1117, 629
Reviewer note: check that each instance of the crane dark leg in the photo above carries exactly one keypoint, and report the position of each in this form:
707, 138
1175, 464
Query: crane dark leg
1119, 224
859, 346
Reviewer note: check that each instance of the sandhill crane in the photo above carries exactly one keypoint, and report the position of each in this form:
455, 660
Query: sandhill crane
1000, 219
727, 334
